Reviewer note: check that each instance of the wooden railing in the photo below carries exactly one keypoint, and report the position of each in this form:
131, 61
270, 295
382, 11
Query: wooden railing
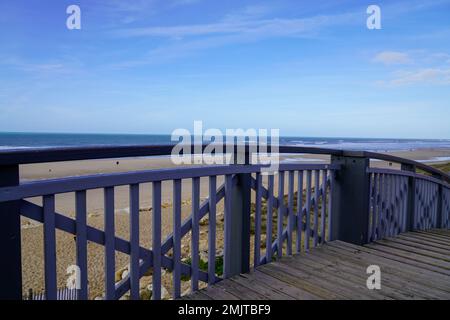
302, 206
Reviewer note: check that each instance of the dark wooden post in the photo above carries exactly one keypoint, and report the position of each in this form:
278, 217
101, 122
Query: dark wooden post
411, 200
238, 253
350, 198
10, 247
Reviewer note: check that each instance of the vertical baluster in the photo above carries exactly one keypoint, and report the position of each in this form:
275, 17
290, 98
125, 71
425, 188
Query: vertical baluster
49, 247
176, 238
308, 209
430, 199
399, 206
330, 204
134, 241
269, 219
110, 259
394, 204
400, 199
81, 242
290, 225
380, 205
258, 199
405, 202
416, 204
387, 205
324, 205
316, 207
195, 233
227, 226
280, 213
212, 231
299, 211
374, 205
156, 240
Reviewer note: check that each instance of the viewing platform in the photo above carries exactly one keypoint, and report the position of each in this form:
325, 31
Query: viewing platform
307, 231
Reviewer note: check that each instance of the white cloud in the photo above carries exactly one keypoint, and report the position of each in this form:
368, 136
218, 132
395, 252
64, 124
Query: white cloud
392, 57
439, 76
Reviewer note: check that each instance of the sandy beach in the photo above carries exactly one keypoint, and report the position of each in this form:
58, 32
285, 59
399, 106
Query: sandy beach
32, 235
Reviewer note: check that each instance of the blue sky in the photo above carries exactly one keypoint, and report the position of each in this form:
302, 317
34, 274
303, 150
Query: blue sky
309, 68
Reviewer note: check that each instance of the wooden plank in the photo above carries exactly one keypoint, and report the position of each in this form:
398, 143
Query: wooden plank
316, 207
270, 200
243, 293
350, 270
330, 205
324, 205
227, 224
156, 240
176, 238
404, 285
421, 245
285, 287
218, 293
258, 200
212, 231
49, 247
286, 274
110, 260
391, 263
308, 210
195, 236
198, 295
290, 223
134, 242
435, 235
280, 214
336, 280
440, 259
426, 238
81, 242
394, 257
422, 241
299, 211
260, 287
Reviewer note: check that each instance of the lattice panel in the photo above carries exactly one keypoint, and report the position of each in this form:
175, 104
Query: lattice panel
388, 205
426, 205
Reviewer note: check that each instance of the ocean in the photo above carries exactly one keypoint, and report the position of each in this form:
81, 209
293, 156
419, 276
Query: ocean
42, 140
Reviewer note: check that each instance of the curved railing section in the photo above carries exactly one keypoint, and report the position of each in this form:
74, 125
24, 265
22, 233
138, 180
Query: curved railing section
264, 216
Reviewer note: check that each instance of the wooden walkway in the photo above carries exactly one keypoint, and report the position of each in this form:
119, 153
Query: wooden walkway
414, 265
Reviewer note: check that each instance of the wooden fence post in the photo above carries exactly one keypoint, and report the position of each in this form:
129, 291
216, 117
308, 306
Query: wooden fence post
350, 198
237, 251
10, 244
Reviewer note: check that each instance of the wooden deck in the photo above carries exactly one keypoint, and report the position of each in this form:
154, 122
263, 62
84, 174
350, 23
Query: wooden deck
414, 265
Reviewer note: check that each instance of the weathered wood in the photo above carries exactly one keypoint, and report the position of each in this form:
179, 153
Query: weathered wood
110, 260
81, 243
338, 270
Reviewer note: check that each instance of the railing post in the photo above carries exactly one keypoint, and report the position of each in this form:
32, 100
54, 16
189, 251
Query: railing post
237, 255
411, 200
10, 247
439, 199
350, 199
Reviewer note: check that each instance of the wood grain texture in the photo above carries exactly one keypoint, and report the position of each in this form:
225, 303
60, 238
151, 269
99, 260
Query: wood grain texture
411, 269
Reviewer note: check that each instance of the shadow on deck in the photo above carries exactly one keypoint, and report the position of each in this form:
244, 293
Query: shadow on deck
414, 265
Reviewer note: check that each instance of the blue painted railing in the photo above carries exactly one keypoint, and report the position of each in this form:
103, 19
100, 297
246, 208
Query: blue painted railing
345, 199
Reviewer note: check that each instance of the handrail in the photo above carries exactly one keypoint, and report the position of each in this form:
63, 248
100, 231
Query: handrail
41, 155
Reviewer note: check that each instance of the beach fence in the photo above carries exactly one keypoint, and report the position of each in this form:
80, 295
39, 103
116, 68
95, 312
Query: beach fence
61, 294
344, 199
